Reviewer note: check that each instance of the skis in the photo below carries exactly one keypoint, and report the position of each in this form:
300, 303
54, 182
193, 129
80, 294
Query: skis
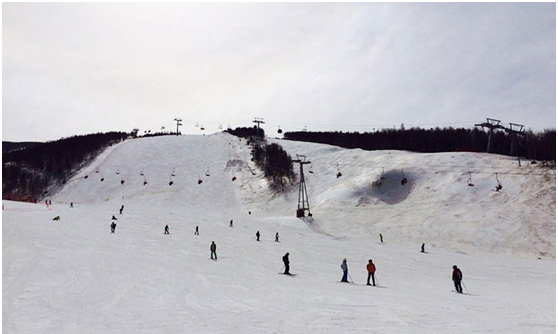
292, 275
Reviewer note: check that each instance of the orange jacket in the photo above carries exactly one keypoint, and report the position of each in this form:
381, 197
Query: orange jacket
371, 267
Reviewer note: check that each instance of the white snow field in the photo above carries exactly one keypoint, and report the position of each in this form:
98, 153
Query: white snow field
74, 276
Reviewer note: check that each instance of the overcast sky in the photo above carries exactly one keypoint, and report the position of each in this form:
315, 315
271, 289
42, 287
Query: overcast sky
79, 68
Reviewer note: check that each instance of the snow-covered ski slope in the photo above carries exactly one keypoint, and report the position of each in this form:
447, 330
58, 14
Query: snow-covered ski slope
74, 276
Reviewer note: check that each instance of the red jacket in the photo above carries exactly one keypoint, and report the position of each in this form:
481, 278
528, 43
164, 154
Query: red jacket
371, 267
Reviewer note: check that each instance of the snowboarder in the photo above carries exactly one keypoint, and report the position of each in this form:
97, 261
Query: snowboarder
167, 229
56, 218
258, 236
371, 270
276, 236
114, 218
422, 248
121, 208
457, 276
231, 223
71, 204
286, 262
197, 231
213, 249
345, 269
381, 238
112, 227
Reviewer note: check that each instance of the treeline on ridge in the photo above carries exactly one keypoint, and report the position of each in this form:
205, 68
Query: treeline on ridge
529, 145
27, 173
276, 164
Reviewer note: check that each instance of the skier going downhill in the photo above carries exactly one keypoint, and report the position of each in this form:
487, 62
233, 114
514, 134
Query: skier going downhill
258, 236
286, 262
166, 229
213, 249
457, 276
345, 269
112, 227
371, 270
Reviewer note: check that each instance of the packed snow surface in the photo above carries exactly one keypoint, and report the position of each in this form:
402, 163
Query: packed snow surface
74, 276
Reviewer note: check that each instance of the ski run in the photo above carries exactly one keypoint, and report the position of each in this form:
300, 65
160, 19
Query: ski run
73, 275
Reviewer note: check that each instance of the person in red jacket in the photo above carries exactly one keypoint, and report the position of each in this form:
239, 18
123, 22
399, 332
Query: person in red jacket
371, 270
457, 276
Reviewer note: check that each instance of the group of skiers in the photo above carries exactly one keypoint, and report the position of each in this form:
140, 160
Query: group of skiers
370, 268
457, 275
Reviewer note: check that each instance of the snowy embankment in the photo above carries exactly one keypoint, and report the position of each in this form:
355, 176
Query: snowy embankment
74, 276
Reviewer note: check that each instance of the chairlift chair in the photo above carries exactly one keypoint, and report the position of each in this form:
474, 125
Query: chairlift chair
279, 131
404, 179
470, 181
311, 170
499, 186
338, 172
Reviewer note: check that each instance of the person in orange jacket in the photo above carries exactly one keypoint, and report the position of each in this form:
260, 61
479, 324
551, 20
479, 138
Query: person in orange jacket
371, 270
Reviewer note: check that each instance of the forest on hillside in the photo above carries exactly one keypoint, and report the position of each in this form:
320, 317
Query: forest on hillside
529, 145
28, 172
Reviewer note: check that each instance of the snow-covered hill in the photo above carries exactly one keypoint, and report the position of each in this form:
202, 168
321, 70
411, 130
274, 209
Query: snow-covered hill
74, 276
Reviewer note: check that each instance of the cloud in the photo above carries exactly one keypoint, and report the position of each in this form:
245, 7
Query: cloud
332, 66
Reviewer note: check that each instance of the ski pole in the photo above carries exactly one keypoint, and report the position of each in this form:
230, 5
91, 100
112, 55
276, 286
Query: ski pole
465, 287
350, 277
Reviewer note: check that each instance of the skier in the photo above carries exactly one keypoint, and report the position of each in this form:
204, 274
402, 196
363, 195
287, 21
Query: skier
71, 204
231, 223
49, 202
457, 276
56, 218
167, 229
112, 227
258, 236
286, 262
345, 269
381, 238
371, 270
276, 236
121, 208
114, 218
213, 249
197, 231
422, 248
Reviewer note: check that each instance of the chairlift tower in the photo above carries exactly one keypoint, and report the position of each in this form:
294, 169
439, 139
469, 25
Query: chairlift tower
303, 204
258, 121
514, 130
491, 124
178, 123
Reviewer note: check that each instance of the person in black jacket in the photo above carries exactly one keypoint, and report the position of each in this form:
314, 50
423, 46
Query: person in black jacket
457, 276
286, 262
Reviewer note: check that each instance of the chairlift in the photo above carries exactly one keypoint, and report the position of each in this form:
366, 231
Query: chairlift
234, 177
279, 131
122, 181
311, 169
202, 128
220, 126
383, 175
338, 172
141, 173
117, 171
207, 173
199, 180
102, 179
171, 182
470, 181
197, 125
97, 170
144, 181
404, 179
173, 174
499, 186
86, 176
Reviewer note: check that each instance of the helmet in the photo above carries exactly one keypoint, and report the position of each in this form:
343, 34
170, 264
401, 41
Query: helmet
454, 267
